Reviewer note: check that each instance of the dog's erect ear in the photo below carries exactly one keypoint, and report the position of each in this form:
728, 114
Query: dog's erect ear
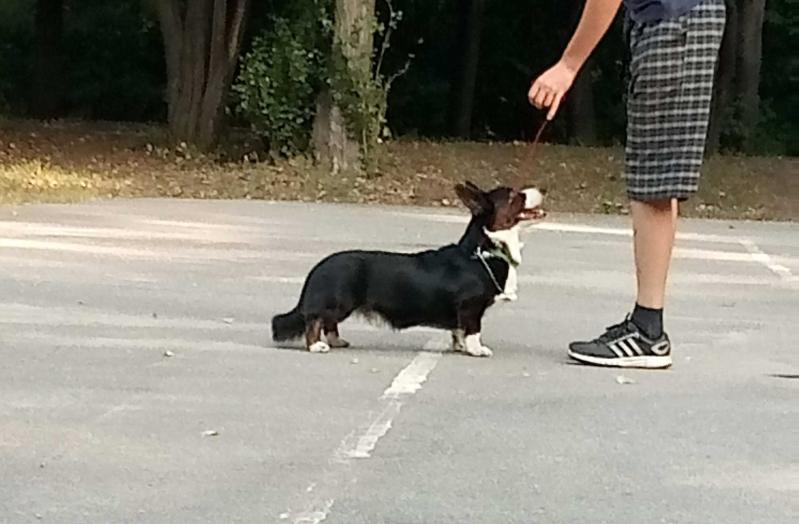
472, 186
473, 198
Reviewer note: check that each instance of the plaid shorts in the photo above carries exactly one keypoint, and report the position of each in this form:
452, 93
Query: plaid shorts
668, 101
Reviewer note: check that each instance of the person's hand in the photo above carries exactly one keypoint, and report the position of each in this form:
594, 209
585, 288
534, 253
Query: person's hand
549, 89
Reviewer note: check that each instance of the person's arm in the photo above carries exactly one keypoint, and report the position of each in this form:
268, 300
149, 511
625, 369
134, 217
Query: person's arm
549, 89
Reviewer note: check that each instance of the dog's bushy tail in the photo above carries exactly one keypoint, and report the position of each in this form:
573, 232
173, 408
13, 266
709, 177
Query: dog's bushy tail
288, 325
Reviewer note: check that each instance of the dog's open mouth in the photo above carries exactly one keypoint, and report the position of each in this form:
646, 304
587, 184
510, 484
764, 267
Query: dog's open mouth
533, 213
533, 199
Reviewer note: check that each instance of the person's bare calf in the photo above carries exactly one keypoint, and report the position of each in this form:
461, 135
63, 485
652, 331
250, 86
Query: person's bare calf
654, 227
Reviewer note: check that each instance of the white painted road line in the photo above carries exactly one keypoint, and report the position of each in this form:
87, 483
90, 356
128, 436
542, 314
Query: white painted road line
561, 227
410, 379
366, 442
712, 254
31, 229
204, 252
405, 384
360, 446
626, 232
759, 256
579, 228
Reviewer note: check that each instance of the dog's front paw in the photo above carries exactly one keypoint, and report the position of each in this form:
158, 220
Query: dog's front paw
319, 347
479, 351
475, 347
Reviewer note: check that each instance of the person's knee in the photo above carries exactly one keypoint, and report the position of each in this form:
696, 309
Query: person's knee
655, 205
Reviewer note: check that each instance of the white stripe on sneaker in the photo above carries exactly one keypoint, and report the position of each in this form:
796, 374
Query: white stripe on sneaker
615, 349
623, 345
635, 346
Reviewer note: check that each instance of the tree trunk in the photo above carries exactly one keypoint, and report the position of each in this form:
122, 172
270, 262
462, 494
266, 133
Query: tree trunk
750, 24
47, 94
724, 86
466, 57
202, 41
581, 111
333, 144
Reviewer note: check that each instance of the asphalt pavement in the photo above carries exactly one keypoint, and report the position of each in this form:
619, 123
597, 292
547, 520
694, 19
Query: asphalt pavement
139, 383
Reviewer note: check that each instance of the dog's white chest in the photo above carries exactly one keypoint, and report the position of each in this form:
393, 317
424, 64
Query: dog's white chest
509, 291
510, 240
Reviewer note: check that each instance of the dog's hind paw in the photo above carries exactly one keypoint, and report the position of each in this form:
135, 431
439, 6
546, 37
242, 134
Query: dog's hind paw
319, 347
337, 342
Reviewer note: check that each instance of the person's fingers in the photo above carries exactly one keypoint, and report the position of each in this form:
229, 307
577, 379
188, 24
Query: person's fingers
540, 99
534, 90
533, 93
549, 98
553, 108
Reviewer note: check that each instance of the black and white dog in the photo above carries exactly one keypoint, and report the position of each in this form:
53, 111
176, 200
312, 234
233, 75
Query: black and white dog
448, 288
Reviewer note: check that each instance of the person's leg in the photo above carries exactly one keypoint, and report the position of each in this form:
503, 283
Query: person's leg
654, 227
639, 341
668, 106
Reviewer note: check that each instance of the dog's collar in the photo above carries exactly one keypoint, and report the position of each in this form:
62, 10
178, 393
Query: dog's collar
500, 251
483, 254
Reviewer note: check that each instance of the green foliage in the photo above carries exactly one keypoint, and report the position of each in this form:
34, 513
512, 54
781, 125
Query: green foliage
361, 98
294, 57
114, 69
278, 81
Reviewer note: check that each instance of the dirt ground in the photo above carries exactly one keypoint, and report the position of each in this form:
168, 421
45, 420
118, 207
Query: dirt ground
74, 161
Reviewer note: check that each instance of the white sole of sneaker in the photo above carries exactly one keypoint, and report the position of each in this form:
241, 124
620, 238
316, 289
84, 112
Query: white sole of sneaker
647, 362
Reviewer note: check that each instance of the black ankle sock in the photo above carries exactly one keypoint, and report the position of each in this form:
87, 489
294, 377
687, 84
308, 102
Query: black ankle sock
648, 320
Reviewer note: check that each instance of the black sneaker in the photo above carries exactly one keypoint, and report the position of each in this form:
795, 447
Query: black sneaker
624, 346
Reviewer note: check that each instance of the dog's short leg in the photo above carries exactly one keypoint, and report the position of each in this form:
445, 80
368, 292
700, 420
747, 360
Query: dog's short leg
470, 319
511, 286
458, 340
332, 336
313, 337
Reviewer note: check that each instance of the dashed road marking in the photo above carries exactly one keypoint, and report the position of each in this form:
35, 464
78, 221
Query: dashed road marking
758, 255
359, 446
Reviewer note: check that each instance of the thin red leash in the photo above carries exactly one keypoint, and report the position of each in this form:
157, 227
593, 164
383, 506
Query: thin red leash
537, 138
531, 154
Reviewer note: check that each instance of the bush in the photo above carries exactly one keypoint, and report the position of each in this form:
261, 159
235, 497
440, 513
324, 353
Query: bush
279, 79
